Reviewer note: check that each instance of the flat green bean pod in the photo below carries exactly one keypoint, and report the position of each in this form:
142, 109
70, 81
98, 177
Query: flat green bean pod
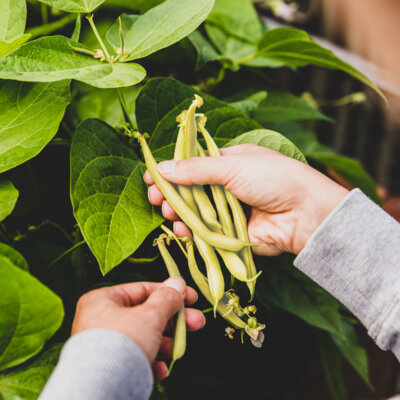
184, 211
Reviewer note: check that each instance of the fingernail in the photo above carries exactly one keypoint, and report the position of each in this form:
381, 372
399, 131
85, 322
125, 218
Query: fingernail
166, 167
175, 283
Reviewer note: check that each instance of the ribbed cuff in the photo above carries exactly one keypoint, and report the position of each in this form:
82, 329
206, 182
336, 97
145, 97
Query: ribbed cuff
100, 364
355, 255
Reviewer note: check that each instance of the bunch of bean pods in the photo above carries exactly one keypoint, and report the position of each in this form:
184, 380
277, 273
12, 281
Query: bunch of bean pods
216, 231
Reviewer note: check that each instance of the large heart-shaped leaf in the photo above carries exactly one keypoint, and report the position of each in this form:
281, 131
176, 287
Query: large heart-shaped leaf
8, 198
163, 99
30, 116
161, 26
108, 194
28, 381
29, 313
78, 6
295, 48
55, 60
272, 140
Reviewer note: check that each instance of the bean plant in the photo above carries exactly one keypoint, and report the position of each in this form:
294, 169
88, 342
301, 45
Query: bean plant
80, 82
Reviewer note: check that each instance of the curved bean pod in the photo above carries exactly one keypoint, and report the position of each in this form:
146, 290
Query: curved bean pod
202, 284
179, 344
206, 208
218, 191
215, 278
184, 211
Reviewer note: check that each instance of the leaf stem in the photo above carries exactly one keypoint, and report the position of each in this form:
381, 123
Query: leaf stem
124, 107
45, 13
51, 27
71, 249
98, 37
246, 59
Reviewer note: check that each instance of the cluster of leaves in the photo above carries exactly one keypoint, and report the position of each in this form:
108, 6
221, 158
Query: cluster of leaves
107, 191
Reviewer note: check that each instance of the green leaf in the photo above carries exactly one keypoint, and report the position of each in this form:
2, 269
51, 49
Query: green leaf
348, 168
238, 18
16, 258
230, 47
351, 350
281, 106
74, 6
113, 33
29, 313
163, 99
28, 381
12, 19
250, 104
55, 60
163, 26
104, 104
205, 50
8, 198
108, 194
8, 47
134, 5
295, 48
31, 114
332, 365
286, 288
272, 140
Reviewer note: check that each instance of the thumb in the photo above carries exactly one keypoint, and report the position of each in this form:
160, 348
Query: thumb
167, 299
198, 170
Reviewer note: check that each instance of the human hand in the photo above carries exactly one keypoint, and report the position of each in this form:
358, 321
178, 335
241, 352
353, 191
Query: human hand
288, 199
141, 311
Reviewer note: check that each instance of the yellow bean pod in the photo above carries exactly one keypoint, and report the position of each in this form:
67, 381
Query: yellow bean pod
206, 208
215, 277
184, 211
201, 282
219, 199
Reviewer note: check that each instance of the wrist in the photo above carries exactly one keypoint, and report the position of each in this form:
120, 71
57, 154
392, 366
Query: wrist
315, 210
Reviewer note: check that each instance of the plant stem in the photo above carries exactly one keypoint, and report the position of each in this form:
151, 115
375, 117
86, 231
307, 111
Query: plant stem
133, 260
45, 13
246, 59
124, 107
75, 246
51, 27
98, 37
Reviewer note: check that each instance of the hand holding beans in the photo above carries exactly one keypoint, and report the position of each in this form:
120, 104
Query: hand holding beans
140, 311
288, 199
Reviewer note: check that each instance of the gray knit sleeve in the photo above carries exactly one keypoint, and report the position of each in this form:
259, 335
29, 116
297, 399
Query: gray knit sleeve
100, 364
355, 255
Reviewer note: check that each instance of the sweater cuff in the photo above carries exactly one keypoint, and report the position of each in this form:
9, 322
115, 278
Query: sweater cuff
351, 255
100, 364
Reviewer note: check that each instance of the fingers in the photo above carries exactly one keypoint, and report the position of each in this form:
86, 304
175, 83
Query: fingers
169, 212
198, 170
154, 195
160, 370
165, 301
181, 230
131, 294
